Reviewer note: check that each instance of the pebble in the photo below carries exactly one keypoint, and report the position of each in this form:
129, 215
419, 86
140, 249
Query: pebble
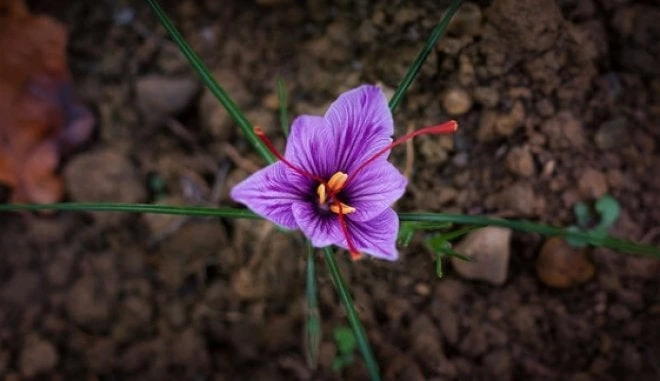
518, 197
560, 265
88, 306
456, 101
160, 97
563, 130
489, 249
499, 364
520, 161
592, 183
38, 356
612, 133
467, 20
487, 96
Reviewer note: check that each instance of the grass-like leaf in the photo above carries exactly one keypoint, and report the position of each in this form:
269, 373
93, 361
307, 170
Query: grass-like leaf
437, 32
351, 314
211, 83
313, 321
607, 241
197, 211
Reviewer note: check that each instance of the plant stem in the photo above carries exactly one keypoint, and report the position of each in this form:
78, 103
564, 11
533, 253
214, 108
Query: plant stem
351, 314
438, 32
211, 83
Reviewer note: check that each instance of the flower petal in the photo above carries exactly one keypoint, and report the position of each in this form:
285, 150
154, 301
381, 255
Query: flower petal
322, 228
362, 124
308, 148
376, 237
374, 189
268, 193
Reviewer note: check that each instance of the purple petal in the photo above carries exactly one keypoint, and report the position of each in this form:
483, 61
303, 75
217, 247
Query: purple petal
376, 237
374, 189
322, 228
308, 149
362, 125
357, 125
268, 193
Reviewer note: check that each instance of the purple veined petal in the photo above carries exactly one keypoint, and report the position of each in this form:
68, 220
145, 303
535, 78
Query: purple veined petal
268, 193
374, 189
376, 237
322, 228
362, 123
308, 148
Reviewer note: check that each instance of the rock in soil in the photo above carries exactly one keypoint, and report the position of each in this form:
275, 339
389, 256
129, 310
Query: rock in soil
560, 265
489, 250
520, 162
456, 102
160, 97
38, 356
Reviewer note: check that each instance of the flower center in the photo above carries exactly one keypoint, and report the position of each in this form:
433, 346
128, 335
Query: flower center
327, 194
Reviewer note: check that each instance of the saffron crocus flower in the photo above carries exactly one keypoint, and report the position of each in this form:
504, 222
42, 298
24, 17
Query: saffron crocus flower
334, 181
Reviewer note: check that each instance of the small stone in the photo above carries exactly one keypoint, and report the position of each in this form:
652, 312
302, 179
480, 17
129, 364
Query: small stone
519, 198
426, 342
38, 356
507, 124
520, 161
456, 101
499, 365
487, 96
563, 130
612, 133
592, 183
467, 20
104, 175
160, 97
560, 265
87, 304
406, 15
474, 344
21, 288
489, 250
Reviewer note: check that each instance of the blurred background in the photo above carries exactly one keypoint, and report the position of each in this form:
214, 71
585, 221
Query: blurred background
557, 101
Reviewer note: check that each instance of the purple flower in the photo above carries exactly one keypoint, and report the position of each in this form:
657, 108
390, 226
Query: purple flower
334, 181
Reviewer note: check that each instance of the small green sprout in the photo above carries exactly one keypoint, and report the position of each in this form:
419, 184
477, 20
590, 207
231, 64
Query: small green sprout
346, 345
596, 222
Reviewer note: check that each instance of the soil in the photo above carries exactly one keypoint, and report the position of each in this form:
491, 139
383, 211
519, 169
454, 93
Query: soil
558, 102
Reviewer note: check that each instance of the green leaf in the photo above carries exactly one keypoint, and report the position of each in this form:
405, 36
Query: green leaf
582, 214
576, 241
313, 321
351, 315
531, 227
408, 229
282, 100
197, 211
609, 209
437, 32
211, 83
345, 340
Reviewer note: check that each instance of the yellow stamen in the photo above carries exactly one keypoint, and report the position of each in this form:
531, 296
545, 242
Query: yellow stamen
345, 209
321, 192
337, 181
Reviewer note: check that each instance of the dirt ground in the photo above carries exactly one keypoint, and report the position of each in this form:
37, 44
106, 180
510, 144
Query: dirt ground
558, 102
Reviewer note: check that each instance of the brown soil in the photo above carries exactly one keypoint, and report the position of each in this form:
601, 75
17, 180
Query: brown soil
562, 106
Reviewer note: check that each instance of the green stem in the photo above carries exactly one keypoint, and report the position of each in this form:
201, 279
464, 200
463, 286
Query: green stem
313, 322
197, 211
351, 313
438, 32
211, 83
282, 100
609, 242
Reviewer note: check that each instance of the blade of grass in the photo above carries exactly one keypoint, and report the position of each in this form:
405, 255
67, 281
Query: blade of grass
313, 321
351, 313
437, 32
197, 211
609, 242
282, 100
211, 83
